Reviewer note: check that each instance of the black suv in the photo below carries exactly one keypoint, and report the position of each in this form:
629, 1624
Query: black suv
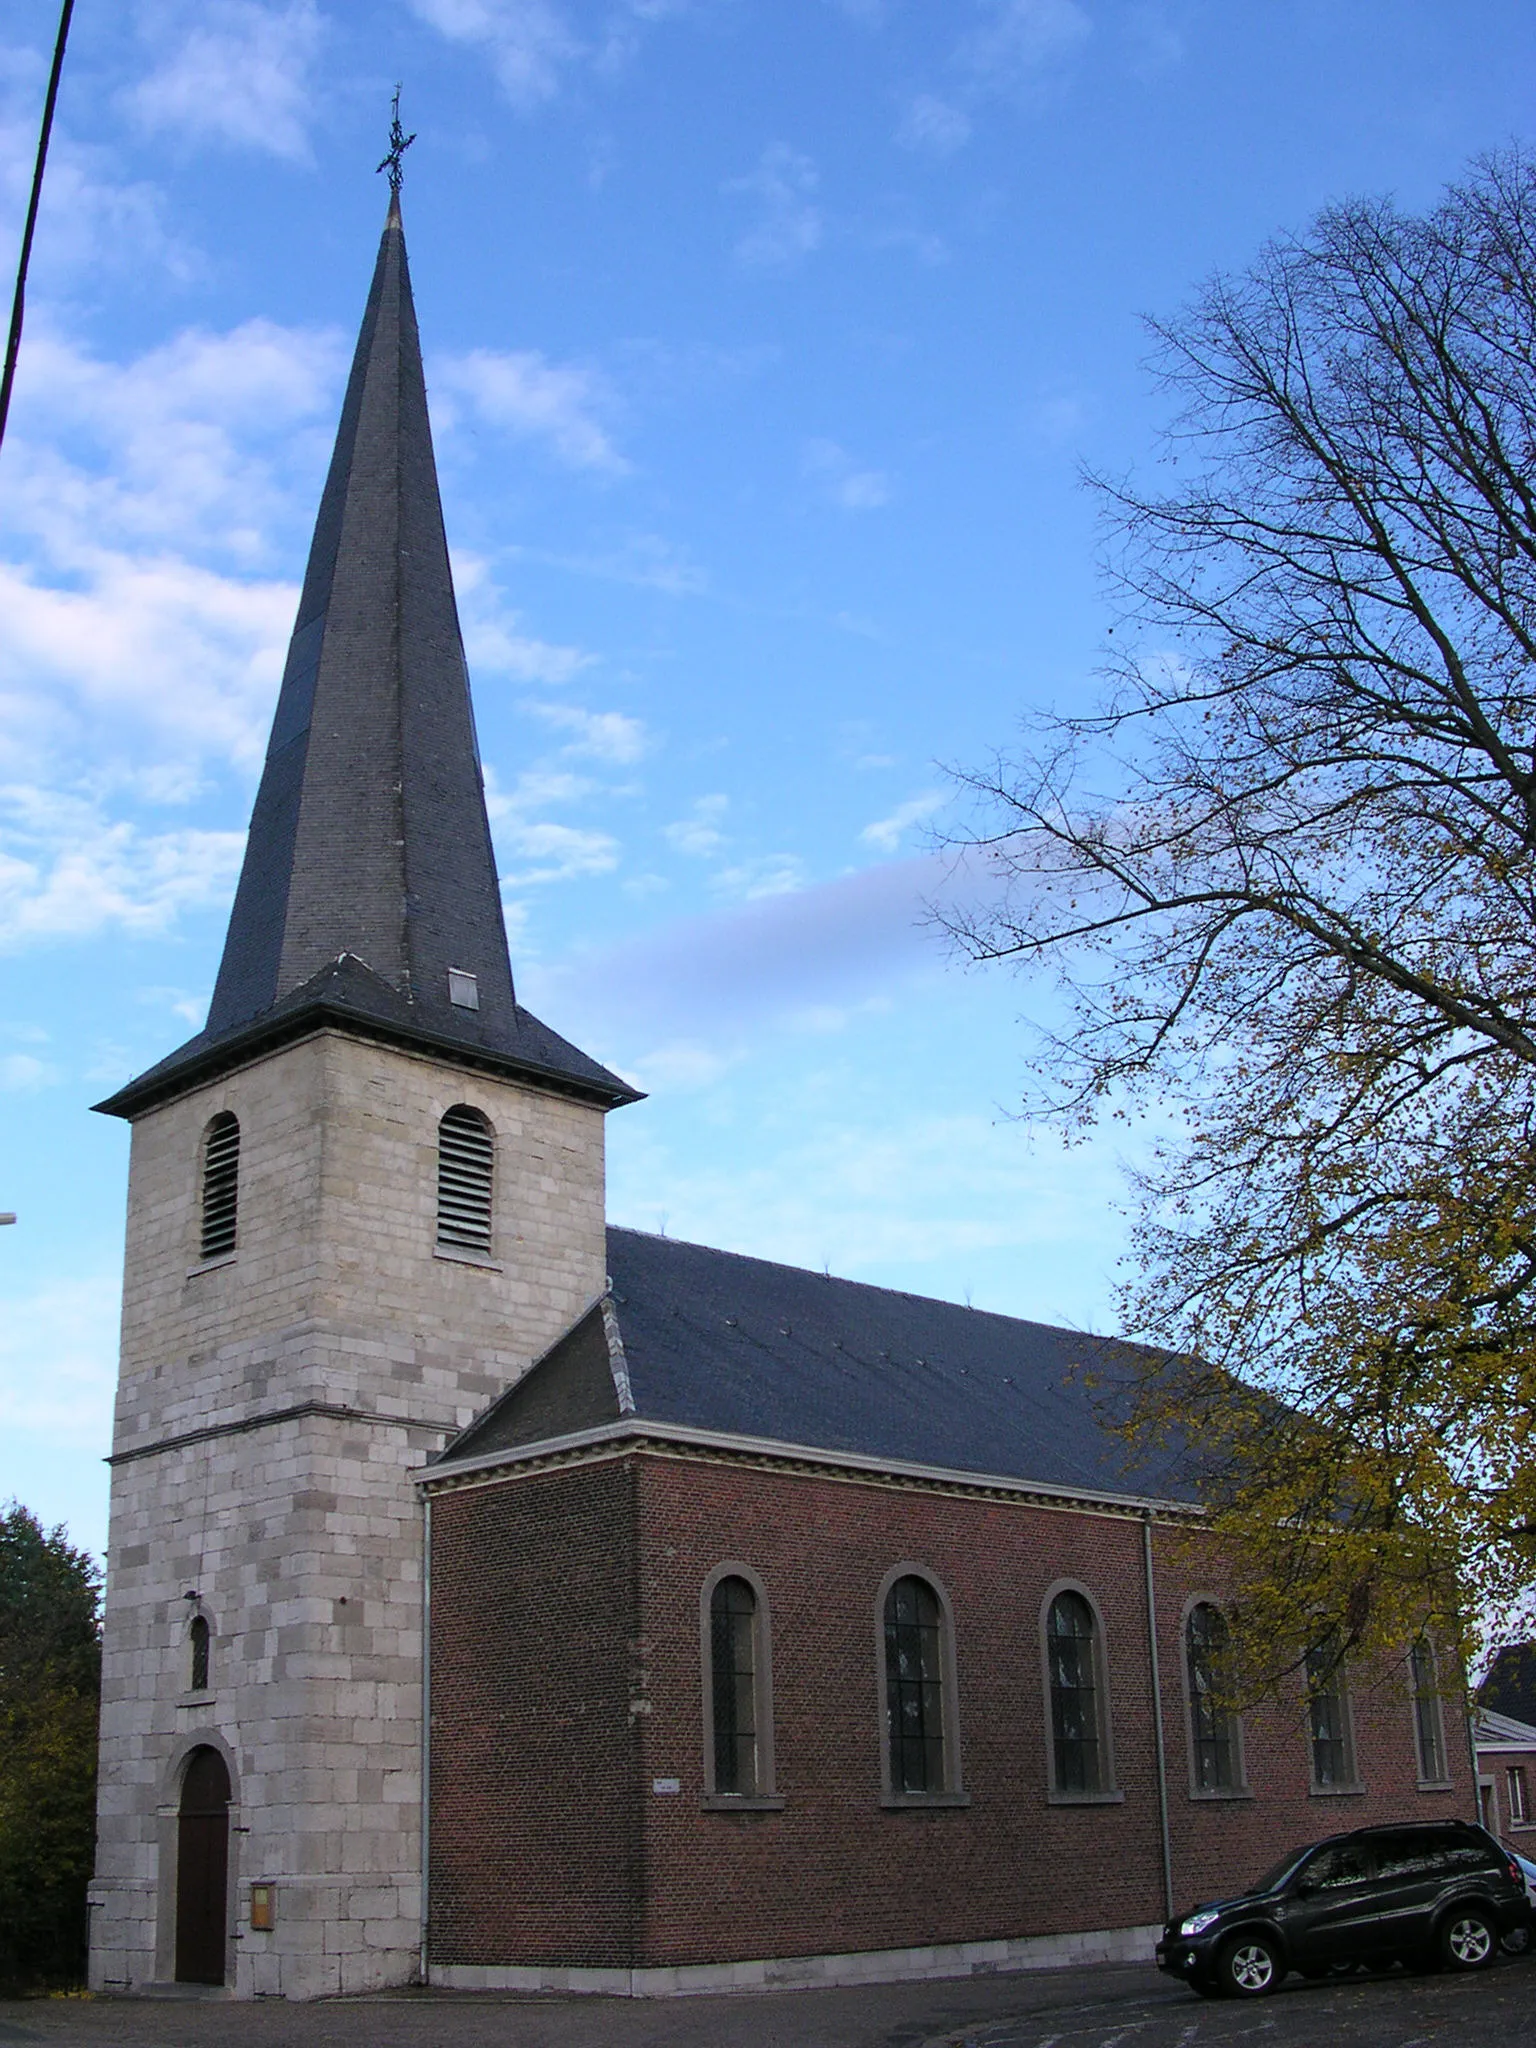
1436, 1894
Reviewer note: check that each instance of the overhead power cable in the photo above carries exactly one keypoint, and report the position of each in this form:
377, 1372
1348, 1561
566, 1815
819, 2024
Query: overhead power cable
19, 298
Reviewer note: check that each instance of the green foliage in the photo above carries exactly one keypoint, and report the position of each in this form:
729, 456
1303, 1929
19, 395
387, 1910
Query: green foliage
50, 1686
1287, 874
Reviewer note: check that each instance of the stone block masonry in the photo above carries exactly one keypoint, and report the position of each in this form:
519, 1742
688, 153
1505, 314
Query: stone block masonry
272, 1409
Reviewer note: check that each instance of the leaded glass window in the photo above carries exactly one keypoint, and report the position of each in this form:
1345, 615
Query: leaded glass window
199, 1633
1429, 1734
733, 1685
914, 1686
1328, 1716
1072, 1661
1213, 1730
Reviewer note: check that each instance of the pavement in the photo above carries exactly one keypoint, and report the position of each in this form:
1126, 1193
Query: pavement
1102, 2006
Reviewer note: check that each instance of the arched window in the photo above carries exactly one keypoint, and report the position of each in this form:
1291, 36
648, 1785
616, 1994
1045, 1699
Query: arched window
733, 1685
1333, 1761
199, 1637
1212, 1726
1072, 1661
914, 1686
221, 1184
466, 1161
736, 1643
1428, 1728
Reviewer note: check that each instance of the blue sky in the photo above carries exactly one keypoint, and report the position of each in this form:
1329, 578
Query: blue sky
765, 342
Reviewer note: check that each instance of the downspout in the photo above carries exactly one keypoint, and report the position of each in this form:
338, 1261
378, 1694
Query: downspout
424, 1967
1157, 1717
1469, 1724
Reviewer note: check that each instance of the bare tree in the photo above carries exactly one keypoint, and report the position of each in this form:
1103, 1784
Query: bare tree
1287, 873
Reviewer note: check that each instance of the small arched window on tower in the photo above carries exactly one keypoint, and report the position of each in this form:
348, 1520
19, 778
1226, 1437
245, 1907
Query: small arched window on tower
221, 1185
199, 1636
466, 1163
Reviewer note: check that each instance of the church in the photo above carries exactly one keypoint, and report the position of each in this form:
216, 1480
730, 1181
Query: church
497, 1599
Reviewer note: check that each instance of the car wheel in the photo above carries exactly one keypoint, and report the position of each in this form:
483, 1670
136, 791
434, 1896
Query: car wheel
1249, 1967
1468, 1939
1516, 1942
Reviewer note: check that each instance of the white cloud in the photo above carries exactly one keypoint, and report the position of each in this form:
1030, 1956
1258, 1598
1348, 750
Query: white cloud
97, 222
1058, 419
233, 71
789, 223
549, 851
68, 870
529, 41
193, 444
164, 650
133, 491
23, 1071
611, 736
645, 561
699, 834
557, 853
842, 480
493, 642
886, 833
912, 1193
521, 392
532, 43
73, 1325
1156, 42
1019, 39
769, 874
760, 963
934, 125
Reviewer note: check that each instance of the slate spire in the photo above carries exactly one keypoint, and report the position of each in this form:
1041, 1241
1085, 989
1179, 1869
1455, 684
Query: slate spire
369, 873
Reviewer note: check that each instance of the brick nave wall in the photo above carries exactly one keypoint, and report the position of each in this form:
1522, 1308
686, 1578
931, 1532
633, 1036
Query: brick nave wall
534, 1666
834, 1870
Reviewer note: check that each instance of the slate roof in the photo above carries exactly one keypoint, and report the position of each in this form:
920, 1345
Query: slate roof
710, 1340
369, 841
1510, 1685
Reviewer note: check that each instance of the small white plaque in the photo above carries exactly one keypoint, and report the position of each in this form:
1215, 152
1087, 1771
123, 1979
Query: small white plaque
666, 1784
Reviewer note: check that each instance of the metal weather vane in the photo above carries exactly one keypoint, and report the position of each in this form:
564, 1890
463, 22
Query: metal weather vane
399, 143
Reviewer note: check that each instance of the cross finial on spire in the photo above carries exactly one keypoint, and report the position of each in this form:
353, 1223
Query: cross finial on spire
399, 143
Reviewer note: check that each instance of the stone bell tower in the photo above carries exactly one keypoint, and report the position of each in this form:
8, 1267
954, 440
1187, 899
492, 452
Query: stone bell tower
360, 1202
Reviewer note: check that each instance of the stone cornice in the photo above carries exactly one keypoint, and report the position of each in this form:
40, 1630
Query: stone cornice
681, 1441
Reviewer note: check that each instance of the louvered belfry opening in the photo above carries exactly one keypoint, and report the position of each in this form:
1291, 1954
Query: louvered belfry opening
221, 1184
466, 1159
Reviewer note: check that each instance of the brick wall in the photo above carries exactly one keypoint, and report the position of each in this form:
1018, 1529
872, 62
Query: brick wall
535, 1664
1222, 1844
835, 1871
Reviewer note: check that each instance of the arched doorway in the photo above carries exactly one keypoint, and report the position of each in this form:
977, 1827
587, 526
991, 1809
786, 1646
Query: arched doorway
202, 1870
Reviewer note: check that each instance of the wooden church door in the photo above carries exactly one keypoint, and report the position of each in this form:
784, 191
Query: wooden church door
202, 1870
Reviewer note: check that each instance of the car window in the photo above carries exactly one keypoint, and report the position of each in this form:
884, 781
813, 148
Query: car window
1343, 1863
1280, 1870
1466, 1853
1410, 1853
